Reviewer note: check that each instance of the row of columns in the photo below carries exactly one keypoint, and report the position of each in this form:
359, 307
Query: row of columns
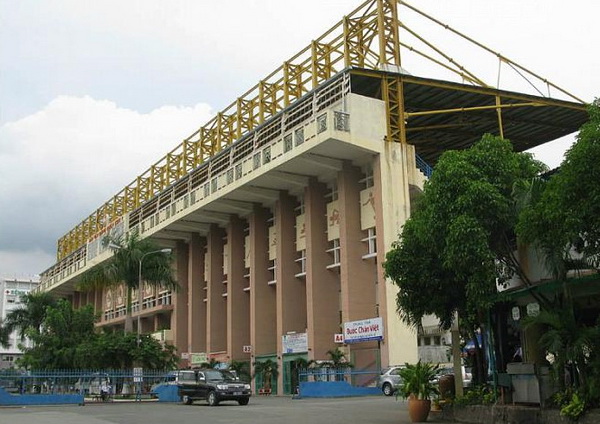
204, 319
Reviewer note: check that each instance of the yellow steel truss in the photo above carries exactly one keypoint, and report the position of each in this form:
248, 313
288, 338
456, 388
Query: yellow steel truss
369, 37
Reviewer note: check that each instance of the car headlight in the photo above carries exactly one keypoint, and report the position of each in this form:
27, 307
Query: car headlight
222, 386
246, 386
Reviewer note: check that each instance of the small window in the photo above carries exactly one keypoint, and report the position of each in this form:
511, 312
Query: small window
238, 171
267, 155
214, 184
342, 121
287, 143
256, 160
229, 176
299, 136
322, 123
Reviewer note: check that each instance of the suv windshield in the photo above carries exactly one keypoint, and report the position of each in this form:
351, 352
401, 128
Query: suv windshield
219, 375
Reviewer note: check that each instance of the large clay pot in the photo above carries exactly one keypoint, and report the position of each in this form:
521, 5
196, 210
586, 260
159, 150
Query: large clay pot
418, 409
447, 389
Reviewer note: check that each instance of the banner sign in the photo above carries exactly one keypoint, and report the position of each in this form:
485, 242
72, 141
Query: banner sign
198, 358
364, 330
294, 343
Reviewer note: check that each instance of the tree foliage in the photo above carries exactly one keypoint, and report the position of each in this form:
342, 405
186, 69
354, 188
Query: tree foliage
28, 318
67, 339
461, 233
130, 253
123, 267
565, 216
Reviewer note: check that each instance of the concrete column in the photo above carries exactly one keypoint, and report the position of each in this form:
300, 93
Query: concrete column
291, 292
99, 295
322, 285
76, 300
238, 301
357, 276
196, 294
179, 317
390, 178
216, 312
263, 319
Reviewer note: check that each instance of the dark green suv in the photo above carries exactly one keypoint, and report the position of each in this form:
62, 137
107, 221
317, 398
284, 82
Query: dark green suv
213, 385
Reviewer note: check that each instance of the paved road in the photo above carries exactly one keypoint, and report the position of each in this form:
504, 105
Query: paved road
261, 410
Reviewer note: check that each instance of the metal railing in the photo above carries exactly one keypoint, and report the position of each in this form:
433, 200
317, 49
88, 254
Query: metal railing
365, 378
91, 383
423, 166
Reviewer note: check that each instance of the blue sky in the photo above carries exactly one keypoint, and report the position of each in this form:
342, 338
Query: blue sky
93, 92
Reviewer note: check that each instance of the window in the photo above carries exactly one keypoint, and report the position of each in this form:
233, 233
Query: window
371, 241
214, 185
322, 123
229, 176
333, 192
302, 262
334, 251
238, 171
287, 143
267, 154
300, 209
299, 136
341, 121
272, 272
256, 160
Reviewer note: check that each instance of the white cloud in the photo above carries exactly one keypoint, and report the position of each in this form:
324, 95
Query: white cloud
61, 163
71, 152
24, 264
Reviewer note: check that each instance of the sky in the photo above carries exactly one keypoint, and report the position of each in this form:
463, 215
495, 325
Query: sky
93, 92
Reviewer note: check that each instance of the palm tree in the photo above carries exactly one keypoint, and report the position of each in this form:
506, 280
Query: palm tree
267, 369
299, 365
339, 362
28, 318
241, 369
569, 341
124, 268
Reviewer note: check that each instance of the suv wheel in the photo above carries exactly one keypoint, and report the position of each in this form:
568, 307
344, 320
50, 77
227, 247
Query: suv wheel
212, 399
387, 389
244, 401
186, 400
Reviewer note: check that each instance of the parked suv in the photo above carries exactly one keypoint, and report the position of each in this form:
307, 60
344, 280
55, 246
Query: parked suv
389, 379
213, 385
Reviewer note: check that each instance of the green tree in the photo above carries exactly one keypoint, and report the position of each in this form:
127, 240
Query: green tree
123, 268
28, 318
561, 219
68, 340
566, 215
63, 330
299, 365
460, 236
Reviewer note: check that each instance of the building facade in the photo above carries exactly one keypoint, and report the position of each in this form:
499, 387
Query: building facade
11, 291
280, 210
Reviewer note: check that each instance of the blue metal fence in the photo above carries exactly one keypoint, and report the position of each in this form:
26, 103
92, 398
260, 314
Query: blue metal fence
423, 166
337, 382
92, 384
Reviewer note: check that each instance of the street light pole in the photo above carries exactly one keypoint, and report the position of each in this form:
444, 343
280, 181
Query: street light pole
139, 317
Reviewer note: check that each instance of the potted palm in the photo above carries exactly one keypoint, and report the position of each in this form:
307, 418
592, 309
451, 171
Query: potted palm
418, 387
267, 369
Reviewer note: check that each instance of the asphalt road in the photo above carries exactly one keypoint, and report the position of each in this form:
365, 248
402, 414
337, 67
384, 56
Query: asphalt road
261, 410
